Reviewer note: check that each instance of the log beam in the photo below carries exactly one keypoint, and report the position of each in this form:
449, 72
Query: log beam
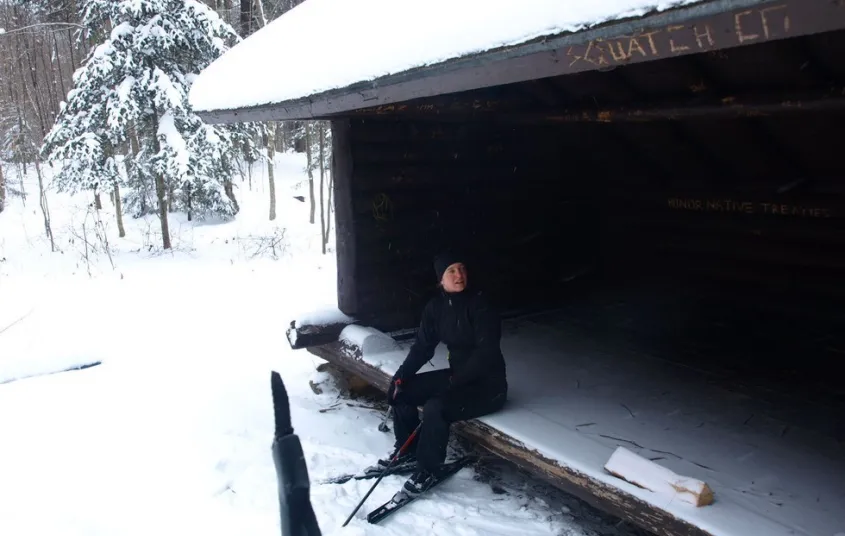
730, 106
308, 335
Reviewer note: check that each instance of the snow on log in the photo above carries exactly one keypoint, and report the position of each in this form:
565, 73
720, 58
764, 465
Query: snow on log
316, 328
658, 479
371, 343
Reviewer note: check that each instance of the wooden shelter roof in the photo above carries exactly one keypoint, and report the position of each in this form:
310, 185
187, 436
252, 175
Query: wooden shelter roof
306, 91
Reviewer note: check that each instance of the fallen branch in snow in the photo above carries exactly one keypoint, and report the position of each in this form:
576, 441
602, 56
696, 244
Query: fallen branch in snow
272, 245
330, 408
83, 366
362, 406
653, 477
16, 321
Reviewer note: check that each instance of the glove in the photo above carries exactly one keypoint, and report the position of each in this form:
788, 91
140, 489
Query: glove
395, 388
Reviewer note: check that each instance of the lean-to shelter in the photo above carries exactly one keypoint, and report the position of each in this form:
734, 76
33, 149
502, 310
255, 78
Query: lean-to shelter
652, 192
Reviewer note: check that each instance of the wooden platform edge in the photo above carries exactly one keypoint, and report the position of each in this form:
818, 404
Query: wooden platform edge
304, 336
600, 495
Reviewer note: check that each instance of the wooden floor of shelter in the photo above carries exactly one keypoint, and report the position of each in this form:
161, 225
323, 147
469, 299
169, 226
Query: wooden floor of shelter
592, 376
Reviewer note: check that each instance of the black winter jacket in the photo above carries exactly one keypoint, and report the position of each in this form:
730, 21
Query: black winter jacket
471, 328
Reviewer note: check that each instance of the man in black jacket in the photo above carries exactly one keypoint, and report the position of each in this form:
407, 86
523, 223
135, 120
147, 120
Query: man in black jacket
474, 384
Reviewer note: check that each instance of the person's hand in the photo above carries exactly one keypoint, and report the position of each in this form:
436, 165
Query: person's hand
395, 388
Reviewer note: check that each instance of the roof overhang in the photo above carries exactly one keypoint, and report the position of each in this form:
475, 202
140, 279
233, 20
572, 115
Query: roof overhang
702, 27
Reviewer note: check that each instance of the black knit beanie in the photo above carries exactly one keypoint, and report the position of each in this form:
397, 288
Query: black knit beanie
443, 261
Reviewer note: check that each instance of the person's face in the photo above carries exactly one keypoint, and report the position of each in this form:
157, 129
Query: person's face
455, 278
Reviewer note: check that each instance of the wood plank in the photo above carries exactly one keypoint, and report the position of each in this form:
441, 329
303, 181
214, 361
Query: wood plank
342, 170
654, 477
305, 336
728, 106
394, 206
421, 175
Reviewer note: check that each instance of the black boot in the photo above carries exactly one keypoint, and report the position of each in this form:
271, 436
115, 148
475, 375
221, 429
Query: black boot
419, 482
382, 463
407, 457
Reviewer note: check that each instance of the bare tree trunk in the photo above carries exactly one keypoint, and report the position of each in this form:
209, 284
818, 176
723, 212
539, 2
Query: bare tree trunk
190, 206
259, 7
271, 154
310, 175
61, 78
323, 214
135, 147
329, 208
331, 189
118, 208
2, 190
45, 210
22, 163
229, 188
227, 5
161, 190
246, 17
98, 203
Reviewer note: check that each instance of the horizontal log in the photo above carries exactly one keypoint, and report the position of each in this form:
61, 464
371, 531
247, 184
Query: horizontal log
520, 287
484, 101
486, 154
726, 238
725, 203
776, 235
423, 175
530, 201
304, 336
739, 253
418, 243
731, 105
486, 140
389, 130
818, 280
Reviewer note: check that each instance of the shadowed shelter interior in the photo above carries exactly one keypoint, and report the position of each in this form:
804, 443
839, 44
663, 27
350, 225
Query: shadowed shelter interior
693, 205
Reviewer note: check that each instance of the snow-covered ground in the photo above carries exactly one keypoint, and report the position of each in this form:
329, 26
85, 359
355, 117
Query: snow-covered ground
171, 432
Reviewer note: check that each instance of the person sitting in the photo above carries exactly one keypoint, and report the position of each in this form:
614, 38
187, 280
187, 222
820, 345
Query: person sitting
475, 384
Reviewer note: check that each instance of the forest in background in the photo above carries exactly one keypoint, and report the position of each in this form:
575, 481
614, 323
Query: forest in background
117, 142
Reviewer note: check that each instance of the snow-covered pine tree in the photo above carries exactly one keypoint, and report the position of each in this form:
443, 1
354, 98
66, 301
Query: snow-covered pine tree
136, 82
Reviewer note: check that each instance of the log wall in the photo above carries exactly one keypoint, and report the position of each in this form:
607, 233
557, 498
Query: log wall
501, 193
706, 198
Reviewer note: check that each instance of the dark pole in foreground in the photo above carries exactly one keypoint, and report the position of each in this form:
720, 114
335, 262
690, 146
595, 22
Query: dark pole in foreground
396, 455
295, 510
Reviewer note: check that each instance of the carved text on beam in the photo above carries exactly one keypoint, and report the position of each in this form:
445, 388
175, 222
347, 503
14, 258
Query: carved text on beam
751, 25
748, 207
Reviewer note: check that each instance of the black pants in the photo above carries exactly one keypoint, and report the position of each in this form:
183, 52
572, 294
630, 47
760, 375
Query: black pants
439, 412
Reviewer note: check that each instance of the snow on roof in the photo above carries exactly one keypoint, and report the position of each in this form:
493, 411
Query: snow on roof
323, 45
